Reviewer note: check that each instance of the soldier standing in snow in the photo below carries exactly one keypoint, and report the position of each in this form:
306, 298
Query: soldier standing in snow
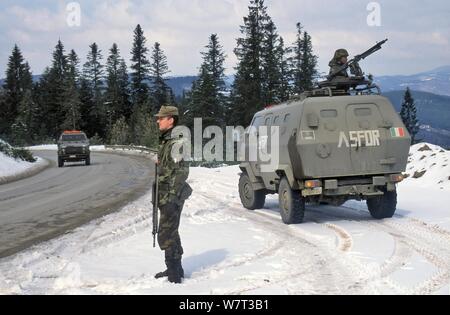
173, 191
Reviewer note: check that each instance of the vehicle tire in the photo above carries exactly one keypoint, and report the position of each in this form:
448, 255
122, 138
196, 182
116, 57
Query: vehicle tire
383, 207
88, 161
250, 198
292, 204
60, 162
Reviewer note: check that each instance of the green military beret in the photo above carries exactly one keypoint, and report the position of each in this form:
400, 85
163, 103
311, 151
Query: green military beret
166, 111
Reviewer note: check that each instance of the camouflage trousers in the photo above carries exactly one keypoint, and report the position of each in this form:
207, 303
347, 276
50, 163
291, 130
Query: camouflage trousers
168, 236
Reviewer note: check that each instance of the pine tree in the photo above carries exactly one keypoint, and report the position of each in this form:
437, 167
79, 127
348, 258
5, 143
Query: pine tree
26, 119
247, 88
203, 101
87, 103
73, 67
53, 86
284, 90
158, 69
18, 81
41, 97
140, 69
408, 114
125, 108
303, 63
24, 127
27, 78
208, 92
214, 59
296, 61
271, 65
117, 91
93, 76
309, 64
71, 103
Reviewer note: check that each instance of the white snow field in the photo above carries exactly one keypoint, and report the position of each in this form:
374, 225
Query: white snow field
229, 250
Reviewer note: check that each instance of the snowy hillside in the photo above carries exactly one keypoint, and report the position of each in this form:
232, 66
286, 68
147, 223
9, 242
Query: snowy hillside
228, 250
429, 166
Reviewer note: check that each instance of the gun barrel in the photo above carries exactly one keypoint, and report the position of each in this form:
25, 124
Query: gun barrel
373, 49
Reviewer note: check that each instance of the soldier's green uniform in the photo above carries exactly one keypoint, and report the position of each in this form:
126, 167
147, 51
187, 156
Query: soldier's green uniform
172, 194
336, 63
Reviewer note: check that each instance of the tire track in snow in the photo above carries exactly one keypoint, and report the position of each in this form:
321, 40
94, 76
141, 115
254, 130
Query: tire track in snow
399, 257
430, 242
306, 245
432, 246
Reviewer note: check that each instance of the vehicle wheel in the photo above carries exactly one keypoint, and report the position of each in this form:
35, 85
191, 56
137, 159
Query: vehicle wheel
292, 204
250, 198
60, 162
383, 207
88, 161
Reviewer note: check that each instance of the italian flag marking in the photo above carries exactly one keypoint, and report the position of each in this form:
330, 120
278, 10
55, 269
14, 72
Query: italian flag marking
397, 132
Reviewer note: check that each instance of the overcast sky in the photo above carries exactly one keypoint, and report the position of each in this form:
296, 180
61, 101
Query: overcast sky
418, 30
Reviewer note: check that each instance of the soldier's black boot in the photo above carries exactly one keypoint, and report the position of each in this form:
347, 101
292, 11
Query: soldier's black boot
161, 274
175, 271
165, 273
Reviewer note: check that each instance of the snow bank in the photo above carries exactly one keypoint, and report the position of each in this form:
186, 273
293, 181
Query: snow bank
13, 169
44, 147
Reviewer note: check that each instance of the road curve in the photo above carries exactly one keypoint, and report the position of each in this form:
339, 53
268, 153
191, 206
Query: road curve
58, 200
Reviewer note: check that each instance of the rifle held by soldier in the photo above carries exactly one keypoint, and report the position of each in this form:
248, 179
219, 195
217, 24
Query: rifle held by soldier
155, 194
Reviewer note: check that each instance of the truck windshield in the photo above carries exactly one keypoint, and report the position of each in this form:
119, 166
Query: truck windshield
73, 138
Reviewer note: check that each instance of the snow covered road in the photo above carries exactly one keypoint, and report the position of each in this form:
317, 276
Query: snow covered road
229, 250
60, 199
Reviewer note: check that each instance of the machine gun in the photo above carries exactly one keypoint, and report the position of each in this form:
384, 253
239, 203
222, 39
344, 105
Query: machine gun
353, 64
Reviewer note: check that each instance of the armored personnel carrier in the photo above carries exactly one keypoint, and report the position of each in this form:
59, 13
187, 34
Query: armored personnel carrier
340, 141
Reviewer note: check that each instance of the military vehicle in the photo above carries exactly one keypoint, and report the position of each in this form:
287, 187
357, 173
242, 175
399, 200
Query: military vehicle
343, 140
73, 146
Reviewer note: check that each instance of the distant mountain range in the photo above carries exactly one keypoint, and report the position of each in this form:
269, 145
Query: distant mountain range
180, 84
184, 83
436, 81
